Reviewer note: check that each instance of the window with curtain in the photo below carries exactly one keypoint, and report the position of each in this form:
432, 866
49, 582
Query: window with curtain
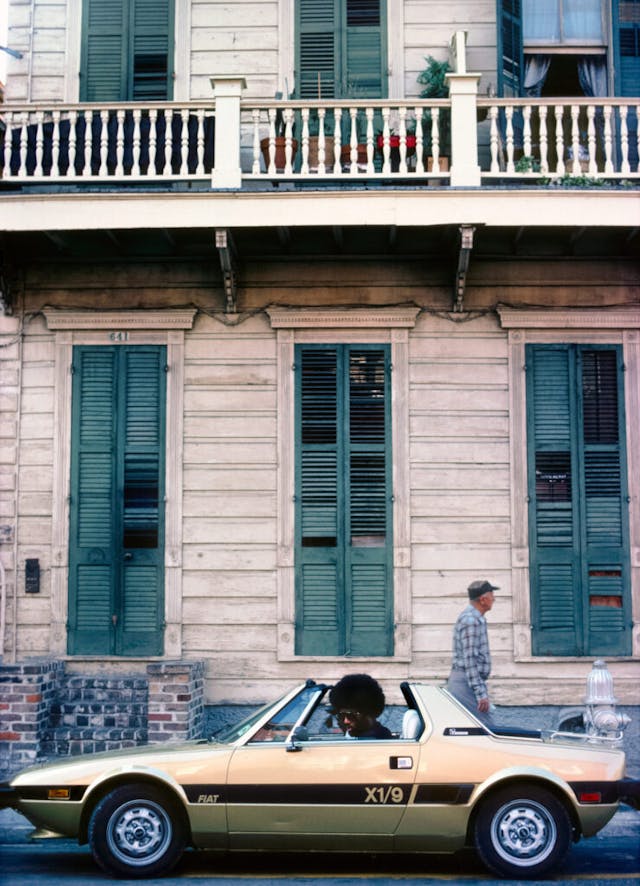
563, 21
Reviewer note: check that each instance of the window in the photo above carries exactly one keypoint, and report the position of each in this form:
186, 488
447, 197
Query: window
562, 22
340, 49
343, 530
116, 531
578, 520
127, 50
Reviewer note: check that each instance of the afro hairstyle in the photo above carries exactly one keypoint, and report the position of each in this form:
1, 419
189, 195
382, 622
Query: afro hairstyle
358, 692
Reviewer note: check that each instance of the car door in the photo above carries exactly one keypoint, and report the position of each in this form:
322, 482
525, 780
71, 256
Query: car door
344, 793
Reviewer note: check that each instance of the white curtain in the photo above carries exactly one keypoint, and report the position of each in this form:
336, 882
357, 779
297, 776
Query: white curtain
582, 20
592, 73
541, 20
536, 68
556, 20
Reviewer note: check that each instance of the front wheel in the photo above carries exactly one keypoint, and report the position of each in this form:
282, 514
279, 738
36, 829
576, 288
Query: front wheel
135, 831
522, 832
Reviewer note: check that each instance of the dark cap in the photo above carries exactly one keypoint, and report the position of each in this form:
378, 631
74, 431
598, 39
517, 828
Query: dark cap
478, 588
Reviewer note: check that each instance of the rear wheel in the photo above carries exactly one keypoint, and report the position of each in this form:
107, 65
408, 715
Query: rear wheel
522, 832
136, 831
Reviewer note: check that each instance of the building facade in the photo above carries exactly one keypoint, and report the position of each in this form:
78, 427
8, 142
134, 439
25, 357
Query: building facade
292, 353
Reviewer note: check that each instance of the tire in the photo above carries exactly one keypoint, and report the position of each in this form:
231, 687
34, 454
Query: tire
136, 831
522, 832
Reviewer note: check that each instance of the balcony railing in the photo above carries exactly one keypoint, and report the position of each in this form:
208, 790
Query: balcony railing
464, 140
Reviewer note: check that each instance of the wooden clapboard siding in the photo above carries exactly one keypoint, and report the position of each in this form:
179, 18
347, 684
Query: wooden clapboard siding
235, 38
460, 505
242, 37
428, 26
34, 432
229, 491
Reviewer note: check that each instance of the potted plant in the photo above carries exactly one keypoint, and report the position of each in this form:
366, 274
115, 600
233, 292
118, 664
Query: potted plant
434, 80
394, 145
280, 142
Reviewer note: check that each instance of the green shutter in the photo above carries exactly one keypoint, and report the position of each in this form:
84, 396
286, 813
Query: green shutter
127, 50
343, 513
510, 49
316, 49
104, 51
117, 489
341, 49
151, 71
93, 483
364, 50
577, 517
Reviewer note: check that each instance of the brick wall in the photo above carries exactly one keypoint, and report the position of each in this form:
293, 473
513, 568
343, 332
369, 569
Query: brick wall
46, 713
27, 692
176, 700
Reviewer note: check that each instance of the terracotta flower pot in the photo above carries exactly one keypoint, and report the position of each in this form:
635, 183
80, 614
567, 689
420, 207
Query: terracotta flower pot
329, 154
345, 157
280, 158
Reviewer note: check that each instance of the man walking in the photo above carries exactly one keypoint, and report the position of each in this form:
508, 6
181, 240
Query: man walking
471, 663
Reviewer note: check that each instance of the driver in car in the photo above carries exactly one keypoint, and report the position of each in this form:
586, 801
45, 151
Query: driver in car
357, 700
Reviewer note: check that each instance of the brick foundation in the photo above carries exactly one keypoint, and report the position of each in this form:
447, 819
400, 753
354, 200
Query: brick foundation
46, 713
176, 700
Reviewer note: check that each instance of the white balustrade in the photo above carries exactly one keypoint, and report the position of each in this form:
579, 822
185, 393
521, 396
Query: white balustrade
346, 139
115, 143
596, 137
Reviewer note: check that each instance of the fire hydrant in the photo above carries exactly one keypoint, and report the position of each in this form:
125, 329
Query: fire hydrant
601, 718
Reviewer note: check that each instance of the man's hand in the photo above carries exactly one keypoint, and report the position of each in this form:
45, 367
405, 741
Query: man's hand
483, 705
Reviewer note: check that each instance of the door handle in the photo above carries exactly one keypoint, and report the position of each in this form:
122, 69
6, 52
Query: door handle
128, 556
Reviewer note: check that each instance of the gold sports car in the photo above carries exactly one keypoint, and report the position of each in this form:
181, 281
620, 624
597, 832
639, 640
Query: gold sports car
287, 779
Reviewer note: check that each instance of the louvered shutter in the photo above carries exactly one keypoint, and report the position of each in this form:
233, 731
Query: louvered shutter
142, 472
103, 72
316, 49
364, 54
368, 537
150, 71
127, 50
93, 528
555, 572
606, 603
627, 65
578, 530
343, 539
510, 49
340, 49
116, 515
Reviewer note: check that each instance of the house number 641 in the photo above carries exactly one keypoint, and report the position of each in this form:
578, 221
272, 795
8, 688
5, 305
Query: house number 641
119, 336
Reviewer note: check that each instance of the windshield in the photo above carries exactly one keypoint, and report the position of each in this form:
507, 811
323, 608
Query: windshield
283, 716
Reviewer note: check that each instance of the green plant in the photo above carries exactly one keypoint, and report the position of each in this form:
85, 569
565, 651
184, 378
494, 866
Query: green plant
527, 164
433, 79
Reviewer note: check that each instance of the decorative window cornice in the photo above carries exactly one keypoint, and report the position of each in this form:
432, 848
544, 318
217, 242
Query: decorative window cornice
59, 319
343, 318
569, 318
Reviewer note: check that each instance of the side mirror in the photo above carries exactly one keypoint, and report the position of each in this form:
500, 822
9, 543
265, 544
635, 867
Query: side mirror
299, 734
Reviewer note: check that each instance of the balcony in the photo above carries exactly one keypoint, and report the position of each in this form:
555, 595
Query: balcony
229, 143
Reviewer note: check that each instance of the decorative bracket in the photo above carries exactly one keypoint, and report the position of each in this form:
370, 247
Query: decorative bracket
464, 255
227, 253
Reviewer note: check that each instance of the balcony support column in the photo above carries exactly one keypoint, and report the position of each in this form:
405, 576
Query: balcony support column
227, 172
463, 91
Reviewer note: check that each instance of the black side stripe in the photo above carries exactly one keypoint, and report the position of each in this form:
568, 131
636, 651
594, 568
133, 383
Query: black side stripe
329, 794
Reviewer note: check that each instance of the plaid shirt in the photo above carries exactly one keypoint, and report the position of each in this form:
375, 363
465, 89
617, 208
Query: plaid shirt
471, 650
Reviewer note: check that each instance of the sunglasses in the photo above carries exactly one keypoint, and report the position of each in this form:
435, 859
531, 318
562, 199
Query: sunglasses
349, 715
